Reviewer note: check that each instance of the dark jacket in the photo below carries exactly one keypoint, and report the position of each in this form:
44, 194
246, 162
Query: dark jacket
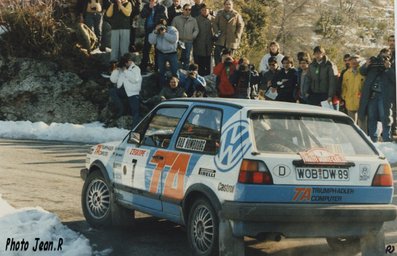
286, 84
202, 45
388, 91
169, 93
266, 77
322, 78
160, 12
173, 11
245, 83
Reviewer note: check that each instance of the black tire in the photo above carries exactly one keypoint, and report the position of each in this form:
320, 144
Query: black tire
203, 229
339, 244
98, 204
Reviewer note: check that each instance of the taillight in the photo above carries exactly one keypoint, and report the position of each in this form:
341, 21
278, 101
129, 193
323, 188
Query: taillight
383, 176
254, 172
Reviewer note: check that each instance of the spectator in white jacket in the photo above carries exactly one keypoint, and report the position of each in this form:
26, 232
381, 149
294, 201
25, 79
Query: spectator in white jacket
274, 51
128, 80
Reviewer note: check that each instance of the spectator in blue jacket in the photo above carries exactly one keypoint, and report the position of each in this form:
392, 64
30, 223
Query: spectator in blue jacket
192, 82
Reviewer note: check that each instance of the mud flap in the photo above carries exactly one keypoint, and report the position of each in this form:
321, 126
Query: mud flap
229, 245
373, 244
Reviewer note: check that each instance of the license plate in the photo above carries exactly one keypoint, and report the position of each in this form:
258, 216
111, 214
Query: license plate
316, 173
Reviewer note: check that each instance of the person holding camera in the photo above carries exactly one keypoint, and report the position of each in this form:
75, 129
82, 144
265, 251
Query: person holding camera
152, 12
165, 38
228, 28
119, 13
245, 80
192, 81
378, 95
128, 80
224, 71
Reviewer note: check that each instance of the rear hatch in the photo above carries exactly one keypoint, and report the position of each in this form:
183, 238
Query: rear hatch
306, 158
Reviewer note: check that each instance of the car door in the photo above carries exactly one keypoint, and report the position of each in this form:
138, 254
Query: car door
148, 161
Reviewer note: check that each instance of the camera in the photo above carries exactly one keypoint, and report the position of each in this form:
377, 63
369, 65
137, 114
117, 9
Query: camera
228, 61
377, 62
161, 28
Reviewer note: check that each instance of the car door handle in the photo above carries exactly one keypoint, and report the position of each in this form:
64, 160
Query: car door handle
158, 158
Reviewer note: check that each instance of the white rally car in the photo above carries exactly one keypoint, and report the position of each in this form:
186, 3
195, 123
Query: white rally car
233, 168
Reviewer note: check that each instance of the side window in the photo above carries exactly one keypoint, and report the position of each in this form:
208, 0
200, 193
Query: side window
162, 126
201, 131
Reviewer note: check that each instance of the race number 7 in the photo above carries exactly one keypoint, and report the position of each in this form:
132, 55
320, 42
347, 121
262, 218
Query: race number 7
174, 181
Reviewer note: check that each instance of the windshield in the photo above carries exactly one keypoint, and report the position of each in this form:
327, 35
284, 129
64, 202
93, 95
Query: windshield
294, 133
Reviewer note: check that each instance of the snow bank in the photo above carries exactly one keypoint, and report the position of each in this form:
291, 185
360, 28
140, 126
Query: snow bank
28, 228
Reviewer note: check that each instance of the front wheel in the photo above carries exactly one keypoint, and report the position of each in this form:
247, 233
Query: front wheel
99, 208
203, 228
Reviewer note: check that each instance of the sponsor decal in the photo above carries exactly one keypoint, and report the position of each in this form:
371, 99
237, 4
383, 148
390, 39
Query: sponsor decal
320, 194
235, 143
102, 150
364, 172
137, 152
207, 172
321, 156
191, 144
281, 171
174, 166
225, 187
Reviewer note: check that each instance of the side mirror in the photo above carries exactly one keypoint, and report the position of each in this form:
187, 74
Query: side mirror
134, 138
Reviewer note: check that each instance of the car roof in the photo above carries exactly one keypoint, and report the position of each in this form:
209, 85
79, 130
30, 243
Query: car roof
262, 105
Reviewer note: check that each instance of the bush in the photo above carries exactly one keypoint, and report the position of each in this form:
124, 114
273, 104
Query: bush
32, 30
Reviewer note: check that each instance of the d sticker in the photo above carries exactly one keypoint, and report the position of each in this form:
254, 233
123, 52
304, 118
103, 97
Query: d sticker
281, 171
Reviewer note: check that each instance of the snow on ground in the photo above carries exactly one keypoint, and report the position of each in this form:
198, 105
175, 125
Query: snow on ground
86, 133
95, 133
24, 230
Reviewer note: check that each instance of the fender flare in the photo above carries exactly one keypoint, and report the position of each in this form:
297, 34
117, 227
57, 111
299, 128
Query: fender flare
99, 165
199, 190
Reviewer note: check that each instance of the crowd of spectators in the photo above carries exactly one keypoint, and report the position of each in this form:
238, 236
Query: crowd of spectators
191, 42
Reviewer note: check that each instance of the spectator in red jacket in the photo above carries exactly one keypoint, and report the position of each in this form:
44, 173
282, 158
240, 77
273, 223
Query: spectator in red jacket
224, 70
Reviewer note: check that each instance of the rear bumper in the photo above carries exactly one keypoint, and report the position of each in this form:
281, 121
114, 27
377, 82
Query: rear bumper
304, 220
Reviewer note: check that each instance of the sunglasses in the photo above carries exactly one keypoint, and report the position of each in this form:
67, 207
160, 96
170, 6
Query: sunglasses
187, 9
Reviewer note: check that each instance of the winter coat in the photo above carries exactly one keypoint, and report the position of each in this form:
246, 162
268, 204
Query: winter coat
169, 93
190, 84
264, 65
244, 83
302, 85
224, 86
352, 85
187, 28
286, 84
321, 78
173, 11
230, 29
160, 12
166, 43
266, 77
202, 45
388, 79
130, 78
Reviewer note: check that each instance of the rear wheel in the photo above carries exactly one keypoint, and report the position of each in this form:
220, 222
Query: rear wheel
203, 228
344, 243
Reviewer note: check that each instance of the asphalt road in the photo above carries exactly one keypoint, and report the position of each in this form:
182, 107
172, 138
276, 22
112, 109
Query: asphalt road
47, 174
